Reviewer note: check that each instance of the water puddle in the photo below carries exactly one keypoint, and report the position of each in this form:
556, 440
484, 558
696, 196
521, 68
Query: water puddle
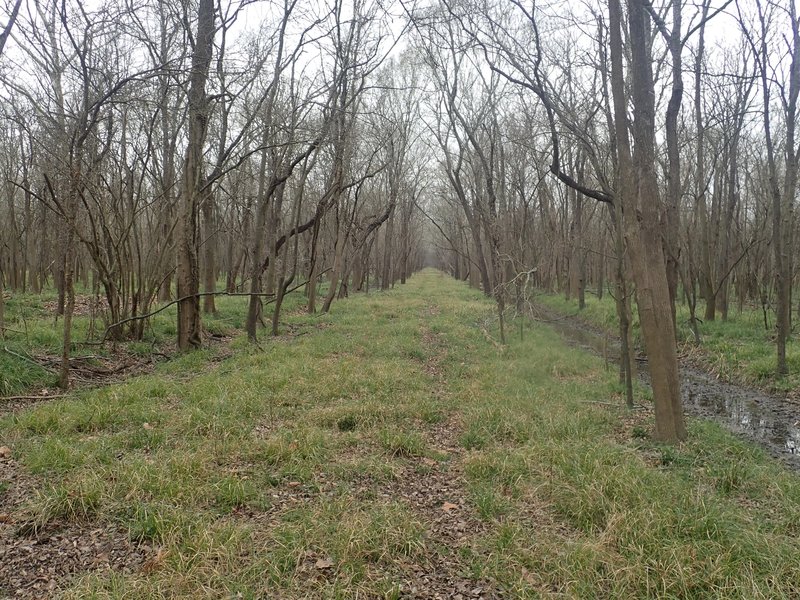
768, 420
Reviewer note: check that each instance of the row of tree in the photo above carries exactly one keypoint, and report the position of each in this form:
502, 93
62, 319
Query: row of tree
576, 158
152, 149
159, 153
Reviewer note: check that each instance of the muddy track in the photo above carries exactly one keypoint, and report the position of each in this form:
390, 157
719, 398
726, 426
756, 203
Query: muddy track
770, 421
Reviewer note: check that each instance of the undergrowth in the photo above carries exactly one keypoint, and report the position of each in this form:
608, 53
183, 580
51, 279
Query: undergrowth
266, 474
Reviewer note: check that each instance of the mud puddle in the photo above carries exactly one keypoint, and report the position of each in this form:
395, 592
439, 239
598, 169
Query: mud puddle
768, 420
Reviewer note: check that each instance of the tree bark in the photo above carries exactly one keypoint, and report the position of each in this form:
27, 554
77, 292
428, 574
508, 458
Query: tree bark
641, 215
188, 274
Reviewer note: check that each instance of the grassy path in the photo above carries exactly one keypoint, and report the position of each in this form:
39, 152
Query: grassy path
389, 450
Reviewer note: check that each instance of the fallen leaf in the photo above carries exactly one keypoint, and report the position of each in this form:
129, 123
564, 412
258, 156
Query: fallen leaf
156, 562
148, 426
294, 484
101, 559
448, 506
5, 452
323, 563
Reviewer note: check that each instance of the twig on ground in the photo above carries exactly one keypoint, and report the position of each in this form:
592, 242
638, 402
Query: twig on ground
13, 398
614, 404
28, 359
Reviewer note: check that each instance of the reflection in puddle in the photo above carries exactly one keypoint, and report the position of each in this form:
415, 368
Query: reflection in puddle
768, 420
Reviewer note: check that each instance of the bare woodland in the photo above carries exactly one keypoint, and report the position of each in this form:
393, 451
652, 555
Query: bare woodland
159, 152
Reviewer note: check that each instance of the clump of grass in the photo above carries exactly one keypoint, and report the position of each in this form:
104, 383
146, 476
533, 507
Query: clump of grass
495, 425
73, 500
402, 444
349, 535
346, 423
18, 375
232, 492
158, 522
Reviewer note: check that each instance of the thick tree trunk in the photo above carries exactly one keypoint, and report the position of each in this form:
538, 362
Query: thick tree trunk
641, 215
645, 230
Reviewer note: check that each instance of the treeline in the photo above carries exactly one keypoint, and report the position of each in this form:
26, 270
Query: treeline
648, 150
159, 151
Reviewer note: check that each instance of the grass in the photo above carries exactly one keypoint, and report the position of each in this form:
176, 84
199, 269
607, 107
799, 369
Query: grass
739, 349
33, 331
250, 473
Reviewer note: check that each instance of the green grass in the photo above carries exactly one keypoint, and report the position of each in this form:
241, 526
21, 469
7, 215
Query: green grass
250, 472
739, 349
34, 333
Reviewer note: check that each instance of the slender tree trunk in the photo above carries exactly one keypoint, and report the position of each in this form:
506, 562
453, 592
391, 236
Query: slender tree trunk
671, 220
314, 270
188, 275
781, 200
2, 304
386, 271
209, 253
257, 249
338, 261
69, 309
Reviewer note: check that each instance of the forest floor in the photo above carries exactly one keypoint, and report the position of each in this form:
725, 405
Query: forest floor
739, 349
764, 416
391, 449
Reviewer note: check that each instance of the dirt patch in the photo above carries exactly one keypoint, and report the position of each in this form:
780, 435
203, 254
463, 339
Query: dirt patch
85, 305
36, 564
436, 492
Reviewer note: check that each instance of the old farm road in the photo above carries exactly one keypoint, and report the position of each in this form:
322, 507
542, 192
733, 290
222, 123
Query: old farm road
391, 449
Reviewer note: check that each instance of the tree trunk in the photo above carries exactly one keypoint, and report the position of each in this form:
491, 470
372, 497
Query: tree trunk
188, 275
257, 249
641, 215
209, 254
386, 271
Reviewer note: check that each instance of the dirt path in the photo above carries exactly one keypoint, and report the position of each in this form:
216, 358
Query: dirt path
436, 491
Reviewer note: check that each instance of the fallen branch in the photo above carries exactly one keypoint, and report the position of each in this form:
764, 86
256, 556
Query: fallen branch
612, 404
489, 338
13, 398
27, 359
198, 295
